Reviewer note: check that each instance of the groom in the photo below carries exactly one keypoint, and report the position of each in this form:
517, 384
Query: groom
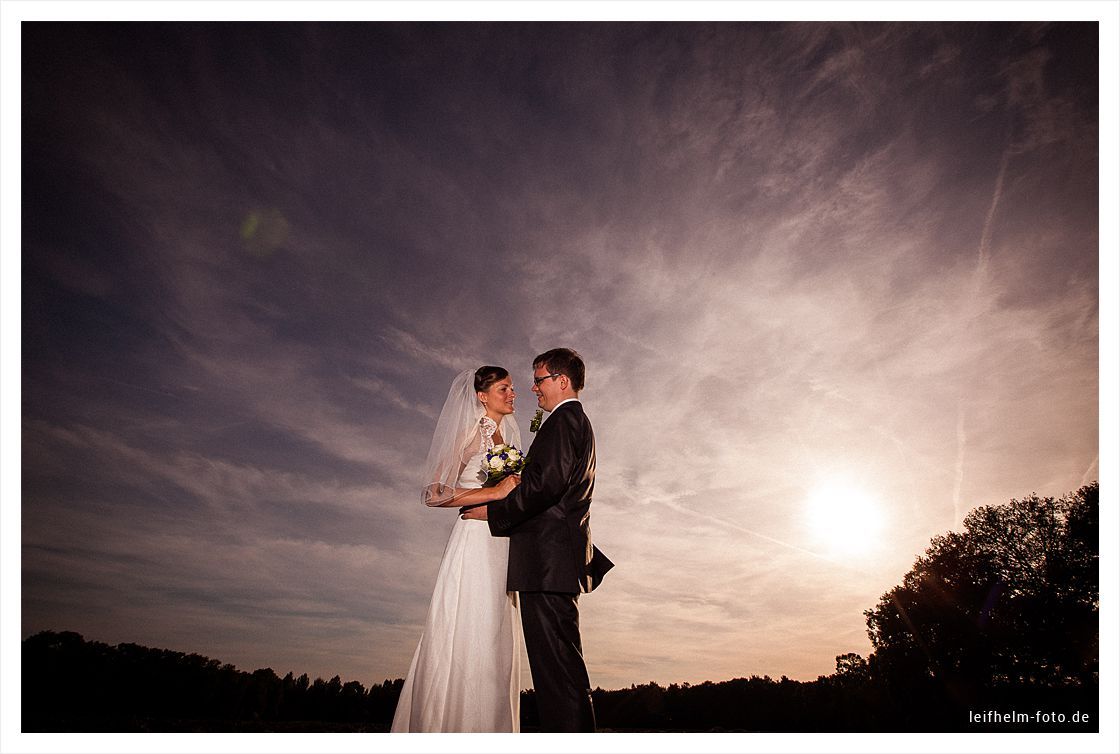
551, 558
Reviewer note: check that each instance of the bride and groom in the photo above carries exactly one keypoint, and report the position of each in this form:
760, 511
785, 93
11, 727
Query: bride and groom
519, 555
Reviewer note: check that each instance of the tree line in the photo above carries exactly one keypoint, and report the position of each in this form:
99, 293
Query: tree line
995, 628
73, 684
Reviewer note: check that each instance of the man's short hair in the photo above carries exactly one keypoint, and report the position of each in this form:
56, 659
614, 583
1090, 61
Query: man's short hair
564, 361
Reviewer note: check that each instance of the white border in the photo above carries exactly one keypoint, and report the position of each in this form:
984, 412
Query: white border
560, 10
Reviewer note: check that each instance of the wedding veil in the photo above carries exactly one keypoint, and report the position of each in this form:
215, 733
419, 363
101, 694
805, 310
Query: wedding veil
458, 437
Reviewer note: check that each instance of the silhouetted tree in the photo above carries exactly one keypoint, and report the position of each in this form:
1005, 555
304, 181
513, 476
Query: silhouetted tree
1010, 601
139, 688
381, 702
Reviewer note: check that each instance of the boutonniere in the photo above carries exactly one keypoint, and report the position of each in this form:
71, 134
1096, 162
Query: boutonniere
536, 423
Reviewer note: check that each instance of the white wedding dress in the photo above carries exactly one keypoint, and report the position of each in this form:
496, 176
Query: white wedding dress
466, 674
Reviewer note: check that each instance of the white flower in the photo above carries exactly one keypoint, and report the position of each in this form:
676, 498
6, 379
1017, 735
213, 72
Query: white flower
497, 467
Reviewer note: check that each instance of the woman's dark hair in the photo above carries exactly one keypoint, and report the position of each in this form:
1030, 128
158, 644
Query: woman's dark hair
563, 361
484, 377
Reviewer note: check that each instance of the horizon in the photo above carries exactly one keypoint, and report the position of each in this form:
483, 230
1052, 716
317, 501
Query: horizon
278, 273
370, 683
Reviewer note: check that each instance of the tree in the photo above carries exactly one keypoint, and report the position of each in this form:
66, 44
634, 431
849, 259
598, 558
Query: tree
1011, 600
851, 667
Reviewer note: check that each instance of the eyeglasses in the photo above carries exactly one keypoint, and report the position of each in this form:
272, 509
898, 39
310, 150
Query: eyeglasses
538, 380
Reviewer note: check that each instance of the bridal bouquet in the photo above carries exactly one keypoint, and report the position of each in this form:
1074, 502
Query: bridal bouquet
501, 461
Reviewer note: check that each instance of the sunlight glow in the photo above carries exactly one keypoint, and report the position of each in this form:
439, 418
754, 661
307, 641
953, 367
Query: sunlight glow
844, 519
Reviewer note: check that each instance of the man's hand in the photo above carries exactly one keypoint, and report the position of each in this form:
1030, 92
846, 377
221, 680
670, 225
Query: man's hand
507, 485
475, 513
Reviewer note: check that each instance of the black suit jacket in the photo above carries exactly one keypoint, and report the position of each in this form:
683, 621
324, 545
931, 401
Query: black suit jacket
547, 517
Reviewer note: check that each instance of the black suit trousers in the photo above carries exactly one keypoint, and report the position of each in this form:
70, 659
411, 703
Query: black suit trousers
550, 621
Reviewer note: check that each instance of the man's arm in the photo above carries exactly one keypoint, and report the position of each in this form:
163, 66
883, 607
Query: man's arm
545, 479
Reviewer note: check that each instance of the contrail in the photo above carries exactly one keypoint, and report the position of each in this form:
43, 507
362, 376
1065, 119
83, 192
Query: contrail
1086, 478
982, 256
140, 387
731, 525
986, 233
961, 438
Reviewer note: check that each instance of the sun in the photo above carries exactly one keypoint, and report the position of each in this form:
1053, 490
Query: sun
844, 519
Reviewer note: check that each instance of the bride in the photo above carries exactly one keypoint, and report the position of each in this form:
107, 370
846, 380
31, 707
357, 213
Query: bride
466, 673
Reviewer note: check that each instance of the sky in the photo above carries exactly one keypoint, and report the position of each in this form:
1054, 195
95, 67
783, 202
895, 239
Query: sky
835, 285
